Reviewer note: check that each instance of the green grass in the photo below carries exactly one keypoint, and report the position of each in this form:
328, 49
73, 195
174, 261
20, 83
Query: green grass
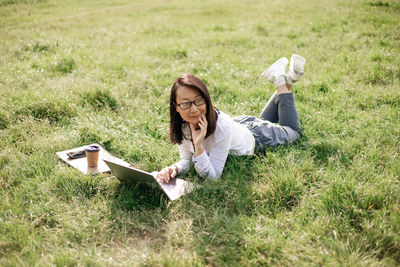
77, 72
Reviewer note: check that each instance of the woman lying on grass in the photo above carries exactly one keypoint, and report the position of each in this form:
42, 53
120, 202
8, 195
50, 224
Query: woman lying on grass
206, 135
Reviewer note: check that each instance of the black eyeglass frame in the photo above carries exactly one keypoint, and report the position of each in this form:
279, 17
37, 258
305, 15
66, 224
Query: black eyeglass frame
202, 102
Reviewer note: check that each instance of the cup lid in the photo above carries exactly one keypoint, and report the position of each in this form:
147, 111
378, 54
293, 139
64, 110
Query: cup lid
93, 148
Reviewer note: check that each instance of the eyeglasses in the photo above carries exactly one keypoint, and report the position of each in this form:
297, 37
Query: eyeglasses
187, 105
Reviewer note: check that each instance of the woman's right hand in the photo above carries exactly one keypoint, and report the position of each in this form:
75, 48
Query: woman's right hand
168, 173
199, 132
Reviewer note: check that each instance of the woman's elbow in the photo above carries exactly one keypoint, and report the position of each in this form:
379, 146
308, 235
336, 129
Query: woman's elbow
210, 174
214, 176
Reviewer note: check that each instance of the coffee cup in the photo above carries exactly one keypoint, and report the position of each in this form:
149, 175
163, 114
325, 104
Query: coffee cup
92, 155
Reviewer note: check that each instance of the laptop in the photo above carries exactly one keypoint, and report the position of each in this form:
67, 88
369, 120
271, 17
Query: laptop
174, 189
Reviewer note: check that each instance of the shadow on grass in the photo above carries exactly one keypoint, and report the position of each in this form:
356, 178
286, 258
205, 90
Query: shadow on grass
138, 196
326, 151
125, 197
231, 193
138, 210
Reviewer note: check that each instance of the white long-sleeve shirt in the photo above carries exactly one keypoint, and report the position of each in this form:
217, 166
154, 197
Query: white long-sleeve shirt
229, 137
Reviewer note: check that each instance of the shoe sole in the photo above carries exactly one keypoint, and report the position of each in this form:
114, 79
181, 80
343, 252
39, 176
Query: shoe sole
296, 59
268, 73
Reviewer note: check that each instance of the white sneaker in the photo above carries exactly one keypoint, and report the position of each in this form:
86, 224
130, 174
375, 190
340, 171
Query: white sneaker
276, 72
296, 69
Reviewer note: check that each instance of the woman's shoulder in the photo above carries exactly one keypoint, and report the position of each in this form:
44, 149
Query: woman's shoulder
223, 119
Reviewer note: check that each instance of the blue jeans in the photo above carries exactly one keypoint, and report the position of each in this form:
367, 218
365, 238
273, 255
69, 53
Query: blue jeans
266, 130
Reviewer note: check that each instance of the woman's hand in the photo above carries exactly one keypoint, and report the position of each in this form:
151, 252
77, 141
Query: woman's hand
168, 173
198, 134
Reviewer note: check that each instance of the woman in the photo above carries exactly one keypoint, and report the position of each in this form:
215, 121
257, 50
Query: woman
206, 136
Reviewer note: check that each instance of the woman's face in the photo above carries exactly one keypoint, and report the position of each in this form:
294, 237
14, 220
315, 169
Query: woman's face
187, 94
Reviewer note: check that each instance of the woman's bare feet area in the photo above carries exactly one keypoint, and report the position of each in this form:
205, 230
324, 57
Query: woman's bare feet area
282, 89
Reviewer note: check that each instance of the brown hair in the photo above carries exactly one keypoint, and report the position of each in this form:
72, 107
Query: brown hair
176, 121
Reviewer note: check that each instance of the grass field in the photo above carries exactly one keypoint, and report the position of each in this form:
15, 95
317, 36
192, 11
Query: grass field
77, 72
